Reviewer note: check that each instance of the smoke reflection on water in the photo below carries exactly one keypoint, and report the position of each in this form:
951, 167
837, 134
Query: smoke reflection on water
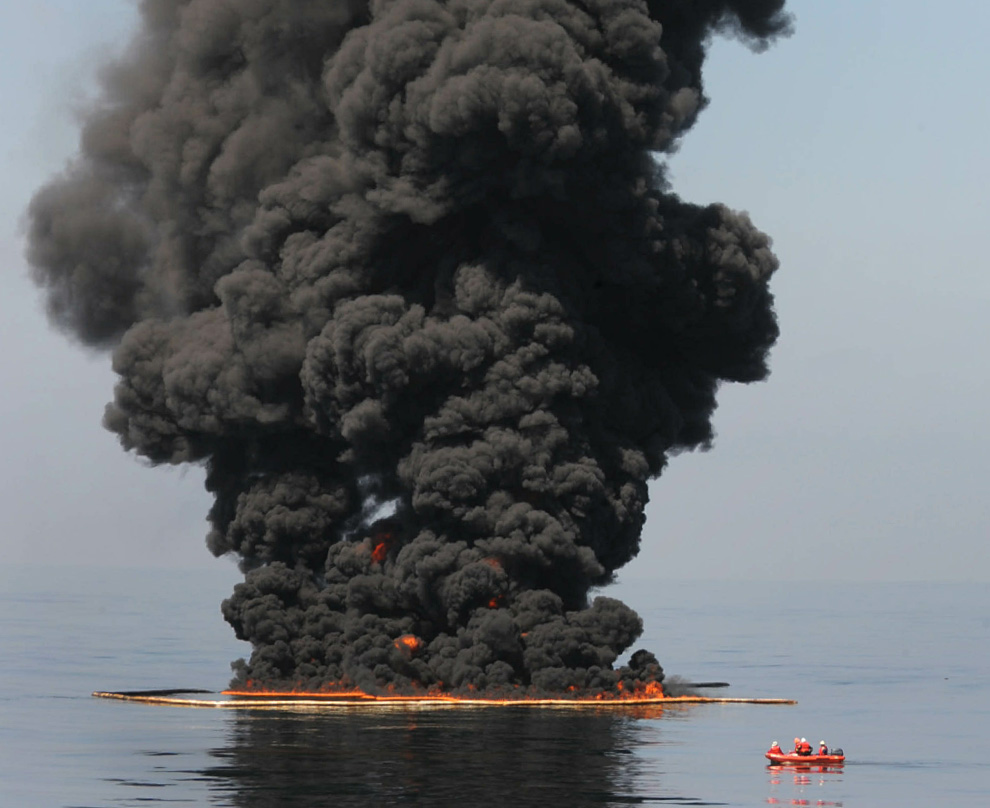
492, 757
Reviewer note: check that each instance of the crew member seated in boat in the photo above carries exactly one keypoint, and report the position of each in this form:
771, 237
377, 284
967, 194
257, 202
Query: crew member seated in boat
775, 749
804, 748
822, 749
797, 747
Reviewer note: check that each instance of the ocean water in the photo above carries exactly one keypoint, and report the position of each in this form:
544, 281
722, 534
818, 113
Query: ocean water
897, 675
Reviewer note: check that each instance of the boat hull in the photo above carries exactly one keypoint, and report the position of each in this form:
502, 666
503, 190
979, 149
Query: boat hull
790, 759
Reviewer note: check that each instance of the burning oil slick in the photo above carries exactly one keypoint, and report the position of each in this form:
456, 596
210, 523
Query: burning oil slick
413, 258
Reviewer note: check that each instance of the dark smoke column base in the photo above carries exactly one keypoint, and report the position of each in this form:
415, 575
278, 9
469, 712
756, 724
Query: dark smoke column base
315, 701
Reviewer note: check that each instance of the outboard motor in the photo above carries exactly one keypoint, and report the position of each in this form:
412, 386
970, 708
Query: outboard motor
837, 752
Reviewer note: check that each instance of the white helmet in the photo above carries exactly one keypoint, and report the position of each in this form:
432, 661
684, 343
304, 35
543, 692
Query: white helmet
822, 743
804, 740
774, 743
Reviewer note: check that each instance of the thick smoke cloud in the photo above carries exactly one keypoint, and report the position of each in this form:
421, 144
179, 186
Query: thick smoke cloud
420, 253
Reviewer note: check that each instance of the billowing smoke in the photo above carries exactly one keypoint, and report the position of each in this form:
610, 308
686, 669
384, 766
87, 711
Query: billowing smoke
407, 278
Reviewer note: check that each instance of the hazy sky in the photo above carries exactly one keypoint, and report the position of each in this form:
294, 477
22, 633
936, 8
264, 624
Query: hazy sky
858, 144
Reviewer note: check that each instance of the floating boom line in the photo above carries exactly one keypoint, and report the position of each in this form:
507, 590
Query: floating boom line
329, 701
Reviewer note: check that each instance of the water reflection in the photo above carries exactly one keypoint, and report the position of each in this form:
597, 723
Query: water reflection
806, 785
496, 757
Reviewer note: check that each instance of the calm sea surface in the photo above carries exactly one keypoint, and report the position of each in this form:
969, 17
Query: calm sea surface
897, 675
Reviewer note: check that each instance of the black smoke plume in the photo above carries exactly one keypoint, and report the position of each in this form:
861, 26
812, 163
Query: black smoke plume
413, 259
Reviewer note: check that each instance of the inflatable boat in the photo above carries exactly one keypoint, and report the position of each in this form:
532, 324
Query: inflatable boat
793, 759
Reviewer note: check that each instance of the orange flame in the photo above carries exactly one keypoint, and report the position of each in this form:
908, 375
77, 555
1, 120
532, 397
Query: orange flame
383, 542
409, 642
650, 690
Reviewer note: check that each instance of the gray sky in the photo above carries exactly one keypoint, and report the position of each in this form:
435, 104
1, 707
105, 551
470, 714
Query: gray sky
858, 144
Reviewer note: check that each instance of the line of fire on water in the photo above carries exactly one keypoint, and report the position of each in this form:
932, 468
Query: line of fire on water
650, 693
357, 695
647, 692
